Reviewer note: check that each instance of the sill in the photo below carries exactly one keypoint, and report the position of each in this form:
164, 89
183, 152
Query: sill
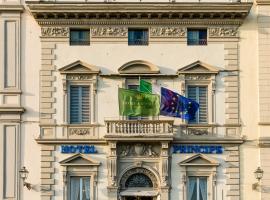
79, 43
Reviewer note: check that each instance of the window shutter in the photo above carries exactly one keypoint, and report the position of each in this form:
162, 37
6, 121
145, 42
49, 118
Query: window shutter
85, 104
79, 104
199, 94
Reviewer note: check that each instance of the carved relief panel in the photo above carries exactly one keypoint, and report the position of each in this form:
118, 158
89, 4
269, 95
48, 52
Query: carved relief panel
139, 150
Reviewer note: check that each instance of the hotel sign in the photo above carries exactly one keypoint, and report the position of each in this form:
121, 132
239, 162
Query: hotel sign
87, 149
203, 149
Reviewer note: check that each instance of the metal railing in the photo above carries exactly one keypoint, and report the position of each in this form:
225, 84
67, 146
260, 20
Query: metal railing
139, 126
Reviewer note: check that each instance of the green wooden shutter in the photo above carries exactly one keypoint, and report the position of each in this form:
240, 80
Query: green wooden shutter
79, 104
199, 94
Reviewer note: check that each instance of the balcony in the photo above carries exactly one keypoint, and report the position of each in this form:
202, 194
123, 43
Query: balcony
135, 128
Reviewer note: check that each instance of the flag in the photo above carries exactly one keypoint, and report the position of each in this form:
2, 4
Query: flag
188, 108
169, 105
145, 86
134, 103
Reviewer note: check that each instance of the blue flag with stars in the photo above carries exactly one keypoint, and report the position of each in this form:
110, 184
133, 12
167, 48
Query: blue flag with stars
169, 105
188, 108
175, 105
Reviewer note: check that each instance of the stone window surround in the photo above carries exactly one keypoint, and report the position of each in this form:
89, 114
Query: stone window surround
193, 169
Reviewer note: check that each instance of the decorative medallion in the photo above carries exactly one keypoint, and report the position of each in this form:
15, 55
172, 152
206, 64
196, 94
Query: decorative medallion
171, 32
79, 131
109, 32
55, 32
223, 32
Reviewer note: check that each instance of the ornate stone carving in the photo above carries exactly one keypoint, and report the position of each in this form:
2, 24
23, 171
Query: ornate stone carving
55, 32
138, 170
193, 131
223, 32
79, 131
167, 32
109, 32
138, 149
191, 77
79, 77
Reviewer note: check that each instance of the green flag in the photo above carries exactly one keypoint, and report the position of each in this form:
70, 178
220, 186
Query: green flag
134, 103
145, 86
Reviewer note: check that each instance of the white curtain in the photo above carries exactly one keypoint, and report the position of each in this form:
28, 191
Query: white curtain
86, 183
75, 188
191, 187
203, 187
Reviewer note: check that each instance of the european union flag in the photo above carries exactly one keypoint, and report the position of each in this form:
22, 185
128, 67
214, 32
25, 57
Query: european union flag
188, 108
169, 105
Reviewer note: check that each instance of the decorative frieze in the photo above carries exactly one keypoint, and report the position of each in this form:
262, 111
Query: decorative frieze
223, 32
55, 32
171, 32
196, 77
79, 131
79, 77
109, 32
198, 131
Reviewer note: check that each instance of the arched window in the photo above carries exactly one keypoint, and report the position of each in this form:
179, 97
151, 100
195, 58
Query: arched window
139, 180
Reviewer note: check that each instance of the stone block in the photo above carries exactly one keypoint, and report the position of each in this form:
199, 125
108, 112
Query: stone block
48, 67
46, 51
47, 100
231, 78
231, 57
46, 164
233, 193
47, 89
235, 181
47, 193
231, 121
46, 94
46, 153
46, 175
47, 147
46, 62
47, 78
47, 121
46, 83
231, 89
232, 170
45, 110
47, 158
47, 181
47, 45
46, 105
230, 45
47, 170
45, 72
46, 198
45, 116
48, 57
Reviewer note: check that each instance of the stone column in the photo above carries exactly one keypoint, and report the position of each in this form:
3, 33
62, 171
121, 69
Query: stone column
165, 185
112, 172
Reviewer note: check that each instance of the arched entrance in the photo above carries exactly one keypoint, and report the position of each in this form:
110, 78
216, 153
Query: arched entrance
138, 184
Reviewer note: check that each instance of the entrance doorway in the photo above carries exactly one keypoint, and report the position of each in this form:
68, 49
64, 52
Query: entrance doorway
139, 198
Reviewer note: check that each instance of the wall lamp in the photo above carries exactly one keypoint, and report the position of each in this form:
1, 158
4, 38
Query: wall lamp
258, 175
24, 174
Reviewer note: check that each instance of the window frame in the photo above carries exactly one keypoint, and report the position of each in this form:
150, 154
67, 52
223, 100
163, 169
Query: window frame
69, 183
210, 97
91, 101
79, 43
207, 103
197, 184
142, 43
69, 102
197, 42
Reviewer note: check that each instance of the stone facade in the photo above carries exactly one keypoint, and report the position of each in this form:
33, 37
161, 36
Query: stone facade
39, 65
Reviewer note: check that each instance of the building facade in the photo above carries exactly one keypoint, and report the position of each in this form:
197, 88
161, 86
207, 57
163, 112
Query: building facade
62, 64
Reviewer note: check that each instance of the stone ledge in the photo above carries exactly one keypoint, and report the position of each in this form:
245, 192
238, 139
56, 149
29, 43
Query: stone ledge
11, 110
12, 8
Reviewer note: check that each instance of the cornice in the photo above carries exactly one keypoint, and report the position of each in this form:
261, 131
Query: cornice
11, 110
138, 13
263, 2
11, 8
208, 140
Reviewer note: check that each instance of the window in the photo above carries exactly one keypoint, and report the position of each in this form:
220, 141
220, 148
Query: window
79, 104
137, 37
197, 188
79, 188
79, 37
197, 37
199, 94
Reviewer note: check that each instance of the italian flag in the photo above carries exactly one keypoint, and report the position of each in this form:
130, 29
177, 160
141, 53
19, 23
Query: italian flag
149, 87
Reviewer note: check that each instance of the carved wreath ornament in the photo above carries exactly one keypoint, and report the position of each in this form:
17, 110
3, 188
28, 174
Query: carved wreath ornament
55, 31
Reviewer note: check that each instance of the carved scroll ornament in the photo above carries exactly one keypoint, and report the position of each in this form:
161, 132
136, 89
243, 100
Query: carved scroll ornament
55, 32
223, 32
109, 32
167, 32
